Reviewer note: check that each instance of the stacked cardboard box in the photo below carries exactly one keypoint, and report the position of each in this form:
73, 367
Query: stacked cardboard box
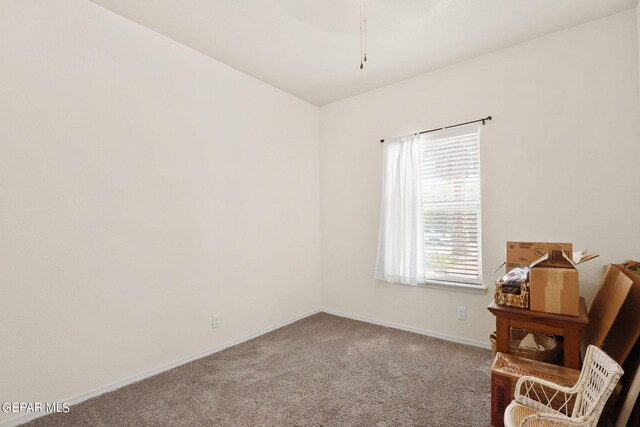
553, 279
508, 369
615, 327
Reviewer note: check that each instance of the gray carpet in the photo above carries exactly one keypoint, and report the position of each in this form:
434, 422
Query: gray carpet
322, 370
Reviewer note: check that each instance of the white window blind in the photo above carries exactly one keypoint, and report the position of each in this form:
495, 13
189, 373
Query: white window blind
450, 172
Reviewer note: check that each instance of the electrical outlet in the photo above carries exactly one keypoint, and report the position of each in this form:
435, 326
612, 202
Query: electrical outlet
215, 321
461, 313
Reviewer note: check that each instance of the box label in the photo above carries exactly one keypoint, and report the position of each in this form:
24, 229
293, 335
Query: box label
501, 396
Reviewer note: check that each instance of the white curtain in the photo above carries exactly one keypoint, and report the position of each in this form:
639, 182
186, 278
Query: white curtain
400, 242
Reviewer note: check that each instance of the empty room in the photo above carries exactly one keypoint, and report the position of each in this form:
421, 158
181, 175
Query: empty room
320, 213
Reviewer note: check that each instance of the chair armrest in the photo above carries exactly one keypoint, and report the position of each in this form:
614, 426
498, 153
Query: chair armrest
552, 420
544, 396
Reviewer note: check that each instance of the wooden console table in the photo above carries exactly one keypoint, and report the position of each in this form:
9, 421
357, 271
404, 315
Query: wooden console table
570, 327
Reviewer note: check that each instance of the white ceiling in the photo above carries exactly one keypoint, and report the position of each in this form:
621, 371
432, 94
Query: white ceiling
311, 48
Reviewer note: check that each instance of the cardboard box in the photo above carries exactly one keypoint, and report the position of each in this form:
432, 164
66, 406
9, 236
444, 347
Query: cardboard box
625, 331
523, 254
554, 286
507, 370
607, 303
554, 290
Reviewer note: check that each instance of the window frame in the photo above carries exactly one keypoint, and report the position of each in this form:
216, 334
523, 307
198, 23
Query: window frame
462, 284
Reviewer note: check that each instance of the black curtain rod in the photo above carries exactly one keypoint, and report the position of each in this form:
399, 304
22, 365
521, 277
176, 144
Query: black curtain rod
453, 126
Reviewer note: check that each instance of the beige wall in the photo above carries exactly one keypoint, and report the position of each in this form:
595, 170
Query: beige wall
143, 188
557, 165
638, 30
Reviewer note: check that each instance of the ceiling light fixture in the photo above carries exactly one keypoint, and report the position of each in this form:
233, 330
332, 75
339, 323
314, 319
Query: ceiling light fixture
363, 34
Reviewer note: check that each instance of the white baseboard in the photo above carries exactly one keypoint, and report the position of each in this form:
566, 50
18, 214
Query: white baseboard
420, 331
114, 386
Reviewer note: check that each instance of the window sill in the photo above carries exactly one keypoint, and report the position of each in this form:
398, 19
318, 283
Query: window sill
455, 287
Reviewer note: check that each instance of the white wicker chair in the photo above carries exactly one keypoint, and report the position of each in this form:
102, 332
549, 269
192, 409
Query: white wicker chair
580, 405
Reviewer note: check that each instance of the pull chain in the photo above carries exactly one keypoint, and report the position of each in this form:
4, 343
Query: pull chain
364, 19
363, 34
361, 37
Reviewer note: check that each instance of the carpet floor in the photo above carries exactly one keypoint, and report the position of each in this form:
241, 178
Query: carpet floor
323, 370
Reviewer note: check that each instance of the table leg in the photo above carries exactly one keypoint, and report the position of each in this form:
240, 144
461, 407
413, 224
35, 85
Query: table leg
502, 335
572, 348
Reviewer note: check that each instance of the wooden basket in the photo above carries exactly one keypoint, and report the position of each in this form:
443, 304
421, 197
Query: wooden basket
520, 300
549, 354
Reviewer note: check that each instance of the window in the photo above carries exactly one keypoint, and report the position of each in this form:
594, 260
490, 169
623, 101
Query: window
450, 174
430, 211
